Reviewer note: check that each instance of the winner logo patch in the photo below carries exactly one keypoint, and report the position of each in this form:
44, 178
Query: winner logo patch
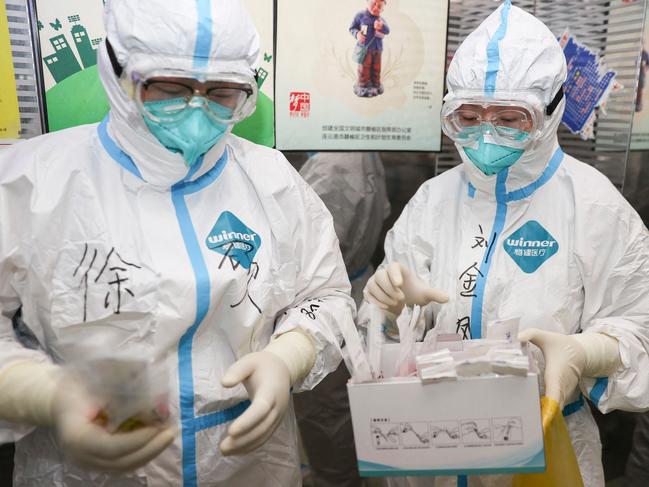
530, 246
230, 237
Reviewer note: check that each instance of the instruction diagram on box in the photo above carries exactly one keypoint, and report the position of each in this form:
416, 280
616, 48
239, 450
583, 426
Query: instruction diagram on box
473, 432
415, 435
507, 431
476, 432
385, 436
445, 434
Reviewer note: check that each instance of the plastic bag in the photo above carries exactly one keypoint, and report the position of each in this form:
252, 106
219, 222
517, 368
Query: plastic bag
131, 387
562, 467
354, 355
405, 365
375, 340
134, 392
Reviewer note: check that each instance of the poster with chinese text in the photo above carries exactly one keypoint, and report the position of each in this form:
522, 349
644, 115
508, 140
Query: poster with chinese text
9, 113
360, 74
640, 131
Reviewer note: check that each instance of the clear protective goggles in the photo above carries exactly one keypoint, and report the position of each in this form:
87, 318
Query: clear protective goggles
513, 123
165, 95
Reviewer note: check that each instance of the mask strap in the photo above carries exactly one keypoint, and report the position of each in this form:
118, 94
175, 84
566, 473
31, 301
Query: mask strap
554, 103
117, 68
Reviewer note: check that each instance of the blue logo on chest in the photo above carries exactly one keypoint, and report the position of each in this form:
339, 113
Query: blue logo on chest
530, 246
230, 237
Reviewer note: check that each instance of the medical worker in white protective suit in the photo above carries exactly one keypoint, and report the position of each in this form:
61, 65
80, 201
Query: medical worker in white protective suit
220, 248
352, 186
521, 229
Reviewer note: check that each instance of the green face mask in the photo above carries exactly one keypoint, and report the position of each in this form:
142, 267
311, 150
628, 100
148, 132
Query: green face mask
193, 134
493, 158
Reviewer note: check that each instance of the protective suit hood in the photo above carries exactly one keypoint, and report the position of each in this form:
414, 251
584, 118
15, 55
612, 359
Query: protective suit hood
511, 55
189, 35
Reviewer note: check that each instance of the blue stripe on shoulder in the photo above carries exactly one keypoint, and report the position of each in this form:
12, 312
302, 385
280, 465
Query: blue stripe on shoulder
549, 171
121, 157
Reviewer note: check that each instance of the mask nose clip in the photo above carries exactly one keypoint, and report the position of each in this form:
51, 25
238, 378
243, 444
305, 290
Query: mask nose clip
488, 132
197, 101
487, 128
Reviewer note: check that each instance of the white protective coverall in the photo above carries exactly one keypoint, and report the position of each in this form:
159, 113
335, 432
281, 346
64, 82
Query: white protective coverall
549, 240
110, 197
352, 186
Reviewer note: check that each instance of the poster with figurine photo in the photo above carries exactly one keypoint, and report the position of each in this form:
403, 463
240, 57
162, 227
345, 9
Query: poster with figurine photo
360, 74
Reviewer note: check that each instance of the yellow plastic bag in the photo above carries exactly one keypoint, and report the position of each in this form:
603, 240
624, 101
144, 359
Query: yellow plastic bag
562, 467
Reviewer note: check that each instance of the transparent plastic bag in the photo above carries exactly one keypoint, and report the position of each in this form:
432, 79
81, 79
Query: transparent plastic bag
375, 340
130, 386
408, 338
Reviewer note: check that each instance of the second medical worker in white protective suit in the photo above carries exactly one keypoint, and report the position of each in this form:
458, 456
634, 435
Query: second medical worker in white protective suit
158, 229
521, 229
352, 186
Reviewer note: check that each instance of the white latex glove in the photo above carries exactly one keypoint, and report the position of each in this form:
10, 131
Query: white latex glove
568, 358
267, 376
394, 286
42, 395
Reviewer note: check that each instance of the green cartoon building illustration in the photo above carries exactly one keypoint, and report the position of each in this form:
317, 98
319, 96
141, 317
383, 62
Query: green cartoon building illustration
77, 96
62, 63
262, 74
82, 42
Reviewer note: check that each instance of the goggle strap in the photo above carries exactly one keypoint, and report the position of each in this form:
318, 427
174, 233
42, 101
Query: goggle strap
555, 102
117, 68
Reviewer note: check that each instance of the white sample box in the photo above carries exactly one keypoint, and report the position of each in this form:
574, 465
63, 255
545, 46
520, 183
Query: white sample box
471, 426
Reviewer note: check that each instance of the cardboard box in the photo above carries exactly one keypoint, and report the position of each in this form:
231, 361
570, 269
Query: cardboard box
472, 426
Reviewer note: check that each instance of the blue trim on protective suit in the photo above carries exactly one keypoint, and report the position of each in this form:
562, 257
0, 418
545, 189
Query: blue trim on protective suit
471, 190
203, 44
549, 171
493, 51
189, 422
481, 282
194, 169
185, 367
114, 151
189, 187
598, 390
573, 407
219, 417
502, 198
